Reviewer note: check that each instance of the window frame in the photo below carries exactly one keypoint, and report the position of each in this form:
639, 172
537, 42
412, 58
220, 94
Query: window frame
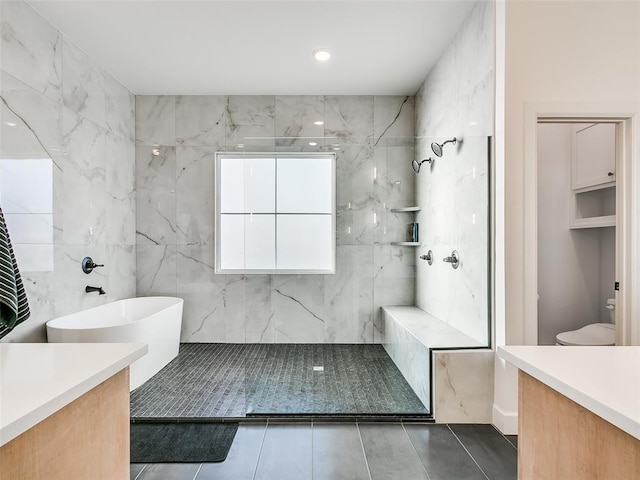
217, 213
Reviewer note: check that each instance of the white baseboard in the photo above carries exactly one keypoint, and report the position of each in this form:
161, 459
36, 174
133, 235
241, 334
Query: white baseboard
506, 422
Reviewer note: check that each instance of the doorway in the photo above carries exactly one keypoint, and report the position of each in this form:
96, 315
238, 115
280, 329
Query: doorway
627, 204
576, 228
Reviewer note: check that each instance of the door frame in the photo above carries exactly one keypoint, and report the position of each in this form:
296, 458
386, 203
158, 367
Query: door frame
627, 202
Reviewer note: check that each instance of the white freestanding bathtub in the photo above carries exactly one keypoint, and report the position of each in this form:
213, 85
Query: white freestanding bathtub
155, 321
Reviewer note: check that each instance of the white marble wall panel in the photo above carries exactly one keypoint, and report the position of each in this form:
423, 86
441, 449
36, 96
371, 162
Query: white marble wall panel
453, 191
349, 117
42, 289
156, 195
120, 263
250, 117
156, 270
59, 105
75, 280
393, 117
393, 281
436, 99
119, 109
31, 49
394, 187
211, 301
463, 386
294, 120
83, 87
120, 190
275, 308
349, 296
31, 122
195, 213
473, 109
156, 120
355, 195
85, 209
200, 120
259, 322
474, 49
298, 303
456, 207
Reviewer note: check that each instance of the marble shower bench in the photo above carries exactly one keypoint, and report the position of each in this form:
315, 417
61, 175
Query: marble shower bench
450, 372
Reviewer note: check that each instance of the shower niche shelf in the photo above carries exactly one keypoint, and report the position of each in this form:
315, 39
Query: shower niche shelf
406, 209
414, 209
406, 244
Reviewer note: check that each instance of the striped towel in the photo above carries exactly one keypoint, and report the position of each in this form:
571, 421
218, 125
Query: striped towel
14, 307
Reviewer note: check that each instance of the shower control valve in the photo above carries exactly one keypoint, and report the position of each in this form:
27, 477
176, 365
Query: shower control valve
454, 259
88, 265
428, 257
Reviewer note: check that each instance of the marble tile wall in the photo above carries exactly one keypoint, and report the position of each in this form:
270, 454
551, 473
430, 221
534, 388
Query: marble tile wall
463, 386
410, 355
456, 100
373, 140
58, 105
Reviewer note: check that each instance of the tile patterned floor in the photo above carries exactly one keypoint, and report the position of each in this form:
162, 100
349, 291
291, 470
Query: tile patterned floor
353, 451
238, 380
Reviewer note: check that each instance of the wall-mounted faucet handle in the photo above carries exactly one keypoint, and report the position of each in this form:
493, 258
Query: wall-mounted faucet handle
454, 259
90, 289
88, 265
428, 257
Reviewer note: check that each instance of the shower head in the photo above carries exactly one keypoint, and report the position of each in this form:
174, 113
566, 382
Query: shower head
416, 164
437, 147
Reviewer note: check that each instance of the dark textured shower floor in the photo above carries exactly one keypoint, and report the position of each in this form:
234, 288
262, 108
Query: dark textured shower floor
213, 380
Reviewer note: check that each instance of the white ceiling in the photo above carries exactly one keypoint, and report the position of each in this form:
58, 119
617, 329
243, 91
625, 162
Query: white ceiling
261, 47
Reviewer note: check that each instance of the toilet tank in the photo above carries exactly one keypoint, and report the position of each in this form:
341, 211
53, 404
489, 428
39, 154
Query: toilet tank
611, 306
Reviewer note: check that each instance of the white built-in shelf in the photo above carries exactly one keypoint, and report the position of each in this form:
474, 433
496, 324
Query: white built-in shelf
594, 222
406, 244
406, 209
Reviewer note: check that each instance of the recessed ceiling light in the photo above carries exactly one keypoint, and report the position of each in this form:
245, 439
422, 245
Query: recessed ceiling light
321, 54
318, 122
313, 144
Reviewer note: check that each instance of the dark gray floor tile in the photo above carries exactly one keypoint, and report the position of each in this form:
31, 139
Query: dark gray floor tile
135, 469
389, 452
238, 380
495, 455
513, 439
169, 471
242, 459
286, 453
337, 452
441, 453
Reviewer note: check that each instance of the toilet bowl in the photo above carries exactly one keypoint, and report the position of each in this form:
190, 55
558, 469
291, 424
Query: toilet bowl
593, 334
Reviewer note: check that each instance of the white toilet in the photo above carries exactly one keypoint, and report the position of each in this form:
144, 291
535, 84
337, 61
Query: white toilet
594, 334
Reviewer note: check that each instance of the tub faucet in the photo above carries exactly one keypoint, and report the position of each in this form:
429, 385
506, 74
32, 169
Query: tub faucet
89, 289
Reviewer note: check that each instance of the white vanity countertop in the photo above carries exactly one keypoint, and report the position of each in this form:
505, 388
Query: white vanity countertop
38, 379
604, 380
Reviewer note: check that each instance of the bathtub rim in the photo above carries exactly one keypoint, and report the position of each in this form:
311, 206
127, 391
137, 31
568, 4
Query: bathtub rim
58, 323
